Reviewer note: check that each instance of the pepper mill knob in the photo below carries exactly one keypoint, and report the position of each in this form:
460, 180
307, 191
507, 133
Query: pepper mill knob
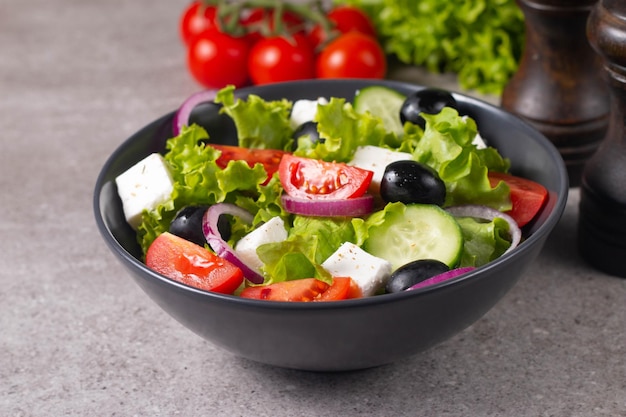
560, 86
602, 219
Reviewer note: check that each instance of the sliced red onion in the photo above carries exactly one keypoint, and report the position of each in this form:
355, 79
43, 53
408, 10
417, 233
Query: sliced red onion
453, 273
350, 207
488, 213
219, 245
181, 118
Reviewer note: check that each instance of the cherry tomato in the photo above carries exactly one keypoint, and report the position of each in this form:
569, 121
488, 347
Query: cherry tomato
216, 59
352, 55
270, 158
315, 179
307, 289
260, 19
193, 265
344, 19
527, 196
277, 59
196, 18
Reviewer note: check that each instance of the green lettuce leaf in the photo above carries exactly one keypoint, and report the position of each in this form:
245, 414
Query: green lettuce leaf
199, 181
483, 241
343, 130
260, 124
446, 146
310, 242
479, 40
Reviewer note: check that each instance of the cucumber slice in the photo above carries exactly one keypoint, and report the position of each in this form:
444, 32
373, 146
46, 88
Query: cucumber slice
382, 102
420, 231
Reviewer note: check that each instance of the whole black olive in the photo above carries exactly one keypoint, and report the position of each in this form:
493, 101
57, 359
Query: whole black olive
429, 101
412, 182
413, 273
219, 126
308, 129
188, 224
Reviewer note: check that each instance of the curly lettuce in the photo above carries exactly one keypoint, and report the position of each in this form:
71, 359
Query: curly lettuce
479, 40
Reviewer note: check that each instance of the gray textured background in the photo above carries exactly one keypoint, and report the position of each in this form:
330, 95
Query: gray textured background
78, 337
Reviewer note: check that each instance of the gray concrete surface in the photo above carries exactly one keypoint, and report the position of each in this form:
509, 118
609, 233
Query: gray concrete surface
79, 338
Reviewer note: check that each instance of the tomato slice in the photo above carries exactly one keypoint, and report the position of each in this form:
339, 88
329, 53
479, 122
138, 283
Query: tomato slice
341, 289
269, 158
307, 289
193, 265
316, 179
527, 196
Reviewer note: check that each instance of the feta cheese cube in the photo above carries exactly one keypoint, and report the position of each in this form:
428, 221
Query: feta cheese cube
479, 142
369, 272
376, 159
270, 232
304, 111
145, 185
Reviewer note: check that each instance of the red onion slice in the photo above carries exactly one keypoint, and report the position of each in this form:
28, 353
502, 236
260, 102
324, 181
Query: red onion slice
488, 213
453, 273
350, 207
219, 245
181, 118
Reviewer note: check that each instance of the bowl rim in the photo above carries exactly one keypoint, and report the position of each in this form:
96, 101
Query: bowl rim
542, 232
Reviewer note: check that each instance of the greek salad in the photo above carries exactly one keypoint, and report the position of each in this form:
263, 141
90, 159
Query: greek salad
327, 199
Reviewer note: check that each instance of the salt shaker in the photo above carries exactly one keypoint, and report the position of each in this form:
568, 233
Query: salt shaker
560, 86
602, 219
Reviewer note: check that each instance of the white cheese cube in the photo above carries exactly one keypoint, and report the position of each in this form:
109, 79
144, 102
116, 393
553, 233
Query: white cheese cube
304, 111
270, 232
376, 159
479, 142
145, 185
369, 272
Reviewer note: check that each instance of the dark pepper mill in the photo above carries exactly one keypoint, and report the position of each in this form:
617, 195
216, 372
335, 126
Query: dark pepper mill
602, 219
560, 86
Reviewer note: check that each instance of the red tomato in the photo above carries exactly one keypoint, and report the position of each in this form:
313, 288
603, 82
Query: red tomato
307, 289
270, 158
195, 19
345, 19
277, 59
341, 289
193, 265
315, 179
260, 19
352, 55
527, 196
216, 59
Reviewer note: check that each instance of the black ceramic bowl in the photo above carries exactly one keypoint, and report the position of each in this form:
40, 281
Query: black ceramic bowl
351, 334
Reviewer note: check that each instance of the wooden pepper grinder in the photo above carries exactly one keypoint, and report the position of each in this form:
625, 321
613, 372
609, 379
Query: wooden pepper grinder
560, 86
602, 219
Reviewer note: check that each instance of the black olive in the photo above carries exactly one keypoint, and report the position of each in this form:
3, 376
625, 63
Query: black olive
429, 101
188, 224
308, 129
412, 182
413, 273
219, 126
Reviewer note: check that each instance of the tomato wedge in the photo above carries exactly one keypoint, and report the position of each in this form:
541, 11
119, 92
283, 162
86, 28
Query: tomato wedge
316, 179
341, 289
193, 265
527, 196
306, 289
269, 158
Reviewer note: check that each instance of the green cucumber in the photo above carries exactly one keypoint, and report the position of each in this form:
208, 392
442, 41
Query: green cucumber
416, 231
381, 102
